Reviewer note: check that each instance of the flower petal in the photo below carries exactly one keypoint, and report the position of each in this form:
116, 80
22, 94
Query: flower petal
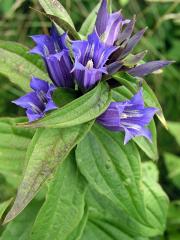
33, 116
59, 68
133, 41
27, 100
39, 85
126, 34
148, 68
132, 60
114, 67
131, 133
44, 46
102, 18
49, 44
110, 119
50, 106
113, 28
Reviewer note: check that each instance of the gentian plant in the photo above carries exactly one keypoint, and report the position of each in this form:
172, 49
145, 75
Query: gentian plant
90, 126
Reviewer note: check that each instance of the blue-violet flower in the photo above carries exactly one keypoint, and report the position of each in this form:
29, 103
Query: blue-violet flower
52, 48
130, 116
90, 58
39, 101
108, 25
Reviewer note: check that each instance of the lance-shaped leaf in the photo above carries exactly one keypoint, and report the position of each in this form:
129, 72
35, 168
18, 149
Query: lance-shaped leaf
13, 145
114, 171
58, 13
64, 205
20, 228
109, 222
150, 99
81, 110
150, 148
78, 231
3, 206
103, 230
48, 148
156, 200
19, 66
89, 23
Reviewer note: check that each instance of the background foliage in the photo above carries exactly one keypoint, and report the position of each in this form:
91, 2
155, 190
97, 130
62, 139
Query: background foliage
18, 21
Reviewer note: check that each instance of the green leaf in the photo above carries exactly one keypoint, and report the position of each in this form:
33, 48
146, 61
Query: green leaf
3, 206
63, 25
109, 220
88, 25
20, 228
150, 171
19, 66
156, 200
114, 171
157, 203
81, 110
58, 13
173, 166
22, 50
174, 129
13, 145
64, 205
150, 99
150, 149
48, 148
62, 96
128, 81
78, 231
103, 230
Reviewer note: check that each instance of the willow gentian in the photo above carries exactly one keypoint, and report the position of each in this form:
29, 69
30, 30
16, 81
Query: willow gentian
39, 101
117, 31
90, 58
108, 25
129, 116
52, 48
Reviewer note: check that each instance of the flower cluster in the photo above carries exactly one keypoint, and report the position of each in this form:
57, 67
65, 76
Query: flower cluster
107, 50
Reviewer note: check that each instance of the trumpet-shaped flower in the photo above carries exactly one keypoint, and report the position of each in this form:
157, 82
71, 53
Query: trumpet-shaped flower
38, 102
108, 25
52, 48
129, 116
90, 58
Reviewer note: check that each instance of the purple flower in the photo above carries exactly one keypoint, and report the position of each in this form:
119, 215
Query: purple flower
90, 58
108, 25
39, 101
117, 31
129, 116
52, 48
